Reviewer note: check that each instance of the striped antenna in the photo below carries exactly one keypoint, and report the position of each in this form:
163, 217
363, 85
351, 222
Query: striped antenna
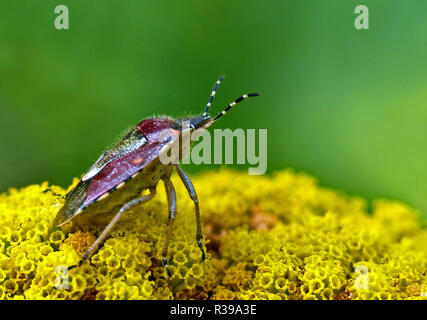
231, 105
215, 88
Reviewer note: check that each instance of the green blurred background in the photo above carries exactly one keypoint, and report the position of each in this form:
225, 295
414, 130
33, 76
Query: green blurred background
346, 106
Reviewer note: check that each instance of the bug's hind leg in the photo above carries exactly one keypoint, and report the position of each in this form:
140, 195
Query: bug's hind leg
190, 188
112, 223
171, 194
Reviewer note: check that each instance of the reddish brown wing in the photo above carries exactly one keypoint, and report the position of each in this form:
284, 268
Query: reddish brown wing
105, 176
158, 132
121, 170
114, 173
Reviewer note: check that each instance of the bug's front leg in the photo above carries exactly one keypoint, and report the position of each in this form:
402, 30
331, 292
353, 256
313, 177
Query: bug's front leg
112, 223
192, 192
171, 194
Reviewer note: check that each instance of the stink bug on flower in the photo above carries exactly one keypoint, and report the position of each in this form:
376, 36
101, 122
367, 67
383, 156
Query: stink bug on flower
115, 181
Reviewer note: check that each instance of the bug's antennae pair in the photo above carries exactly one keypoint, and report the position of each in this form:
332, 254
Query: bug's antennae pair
231, 105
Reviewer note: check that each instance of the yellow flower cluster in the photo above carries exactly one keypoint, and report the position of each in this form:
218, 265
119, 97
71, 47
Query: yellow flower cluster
267, 237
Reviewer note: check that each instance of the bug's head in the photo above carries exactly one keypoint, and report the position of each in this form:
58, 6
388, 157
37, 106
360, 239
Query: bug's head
195, 122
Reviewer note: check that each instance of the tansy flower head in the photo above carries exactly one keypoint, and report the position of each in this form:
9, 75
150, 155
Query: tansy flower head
267, 237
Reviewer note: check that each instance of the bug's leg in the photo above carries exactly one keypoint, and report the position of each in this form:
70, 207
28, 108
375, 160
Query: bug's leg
53, 192
190, 188
108, 228
170, 190
168, 195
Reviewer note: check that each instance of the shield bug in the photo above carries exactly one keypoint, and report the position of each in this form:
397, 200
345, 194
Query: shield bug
116, 180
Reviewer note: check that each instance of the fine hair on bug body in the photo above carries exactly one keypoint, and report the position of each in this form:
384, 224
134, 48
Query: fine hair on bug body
115, 182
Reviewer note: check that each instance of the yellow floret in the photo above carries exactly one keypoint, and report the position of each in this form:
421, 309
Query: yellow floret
266, 237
